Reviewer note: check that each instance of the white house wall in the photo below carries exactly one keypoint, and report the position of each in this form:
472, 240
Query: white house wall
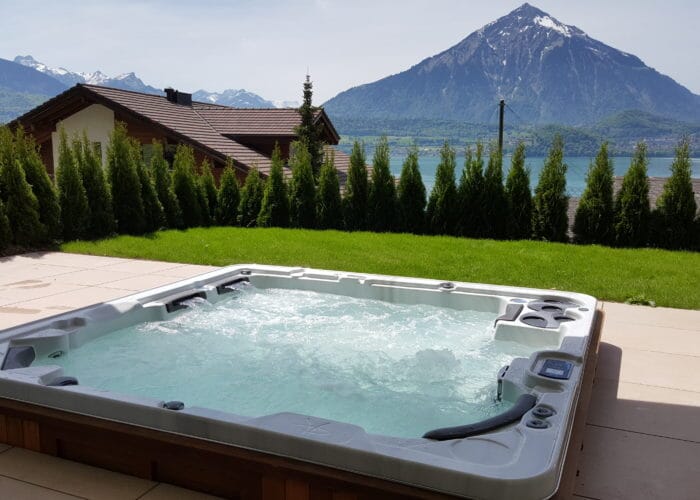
96, 120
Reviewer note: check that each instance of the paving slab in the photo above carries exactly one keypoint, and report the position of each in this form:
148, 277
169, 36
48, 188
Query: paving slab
169, 492
12, 489
649, 337
684, 319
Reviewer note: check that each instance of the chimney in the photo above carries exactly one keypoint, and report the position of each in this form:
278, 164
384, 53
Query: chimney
177, 97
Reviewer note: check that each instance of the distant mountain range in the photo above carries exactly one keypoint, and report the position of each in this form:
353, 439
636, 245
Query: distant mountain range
26, 83
547, 72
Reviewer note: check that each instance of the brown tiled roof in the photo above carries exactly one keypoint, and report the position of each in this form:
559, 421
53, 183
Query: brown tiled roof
235, 121
186, 121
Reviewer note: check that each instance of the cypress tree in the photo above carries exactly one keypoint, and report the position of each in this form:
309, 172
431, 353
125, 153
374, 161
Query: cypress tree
5, 232
470, 192
229, 197
442, 205
100, 213
676, 207
154, 217
203, 201
550, 204
382, 209
21, 207
519, 197
411, 195
251, 199
164, 187
71, 193
185, 186
274, 211
329, 210
42, 186
356, 191
632, 211
494, 198
593, 222
308, 131
303, 191
127, 201
206, 179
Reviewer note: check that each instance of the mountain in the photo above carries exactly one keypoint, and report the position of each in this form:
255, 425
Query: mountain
23, 88
547, 72
237, 98
126, 81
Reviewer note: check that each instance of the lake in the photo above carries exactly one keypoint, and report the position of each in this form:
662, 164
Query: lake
575, 175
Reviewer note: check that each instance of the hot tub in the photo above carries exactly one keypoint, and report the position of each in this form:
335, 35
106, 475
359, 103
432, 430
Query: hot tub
455, 388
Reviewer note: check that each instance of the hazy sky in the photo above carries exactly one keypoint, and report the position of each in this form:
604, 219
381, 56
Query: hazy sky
267, 46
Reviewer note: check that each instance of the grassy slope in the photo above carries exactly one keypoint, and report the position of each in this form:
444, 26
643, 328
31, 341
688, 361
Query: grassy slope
669, 278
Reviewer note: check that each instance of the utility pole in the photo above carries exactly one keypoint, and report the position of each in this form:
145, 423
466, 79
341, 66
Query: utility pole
501, 106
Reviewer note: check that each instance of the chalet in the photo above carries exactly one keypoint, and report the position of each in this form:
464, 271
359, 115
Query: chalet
215, 132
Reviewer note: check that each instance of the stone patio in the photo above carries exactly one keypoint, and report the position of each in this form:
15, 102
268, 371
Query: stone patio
642, 437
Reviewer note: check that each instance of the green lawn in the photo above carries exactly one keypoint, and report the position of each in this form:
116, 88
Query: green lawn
670, 279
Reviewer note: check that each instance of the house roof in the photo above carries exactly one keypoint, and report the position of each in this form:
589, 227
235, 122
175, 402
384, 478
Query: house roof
212, 128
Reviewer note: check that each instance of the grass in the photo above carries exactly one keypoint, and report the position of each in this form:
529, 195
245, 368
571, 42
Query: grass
663, 277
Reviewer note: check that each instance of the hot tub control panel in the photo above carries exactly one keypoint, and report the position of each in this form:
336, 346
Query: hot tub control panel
556, 368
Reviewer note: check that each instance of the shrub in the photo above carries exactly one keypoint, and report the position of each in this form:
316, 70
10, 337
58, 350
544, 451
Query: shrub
154, 217
632, 203
274, 211
5, 231
100, 221
594, 219
382, 191
550, 205
676, 207
71, 193
442, 205
127, 201
356, 190
229, 197
251, 199
303, 190
329, 210
21, 207
519, 197
164, 187
185, 186
42, 186
470, 193
411, 195
495, 205
206, 179
203, 202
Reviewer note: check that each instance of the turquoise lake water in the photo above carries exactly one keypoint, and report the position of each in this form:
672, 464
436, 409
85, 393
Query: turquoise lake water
576, 173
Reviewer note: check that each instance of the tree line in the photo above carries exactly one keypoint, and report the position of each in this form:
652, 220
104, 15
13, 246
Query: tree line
128, 196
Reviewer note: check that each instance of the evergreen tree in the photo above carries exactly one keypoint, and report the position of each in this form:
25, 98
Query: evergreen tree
632, 211
5, 232
127, 201
100, 214
442, 205
309, 132
495, 205
329, 209
550, 204
154, 217
470, 193
411, 197
229, 197
251, 199
164, 187
42, 186
676, 207
382, 204
71, 193
203, 202
594, 219
519, 197
303, 191
206, 179
356, 191
21, 207
185, 186
274, 211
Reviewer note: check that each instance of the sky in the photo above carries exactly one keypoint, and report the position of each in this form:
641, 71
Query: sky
267, 47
